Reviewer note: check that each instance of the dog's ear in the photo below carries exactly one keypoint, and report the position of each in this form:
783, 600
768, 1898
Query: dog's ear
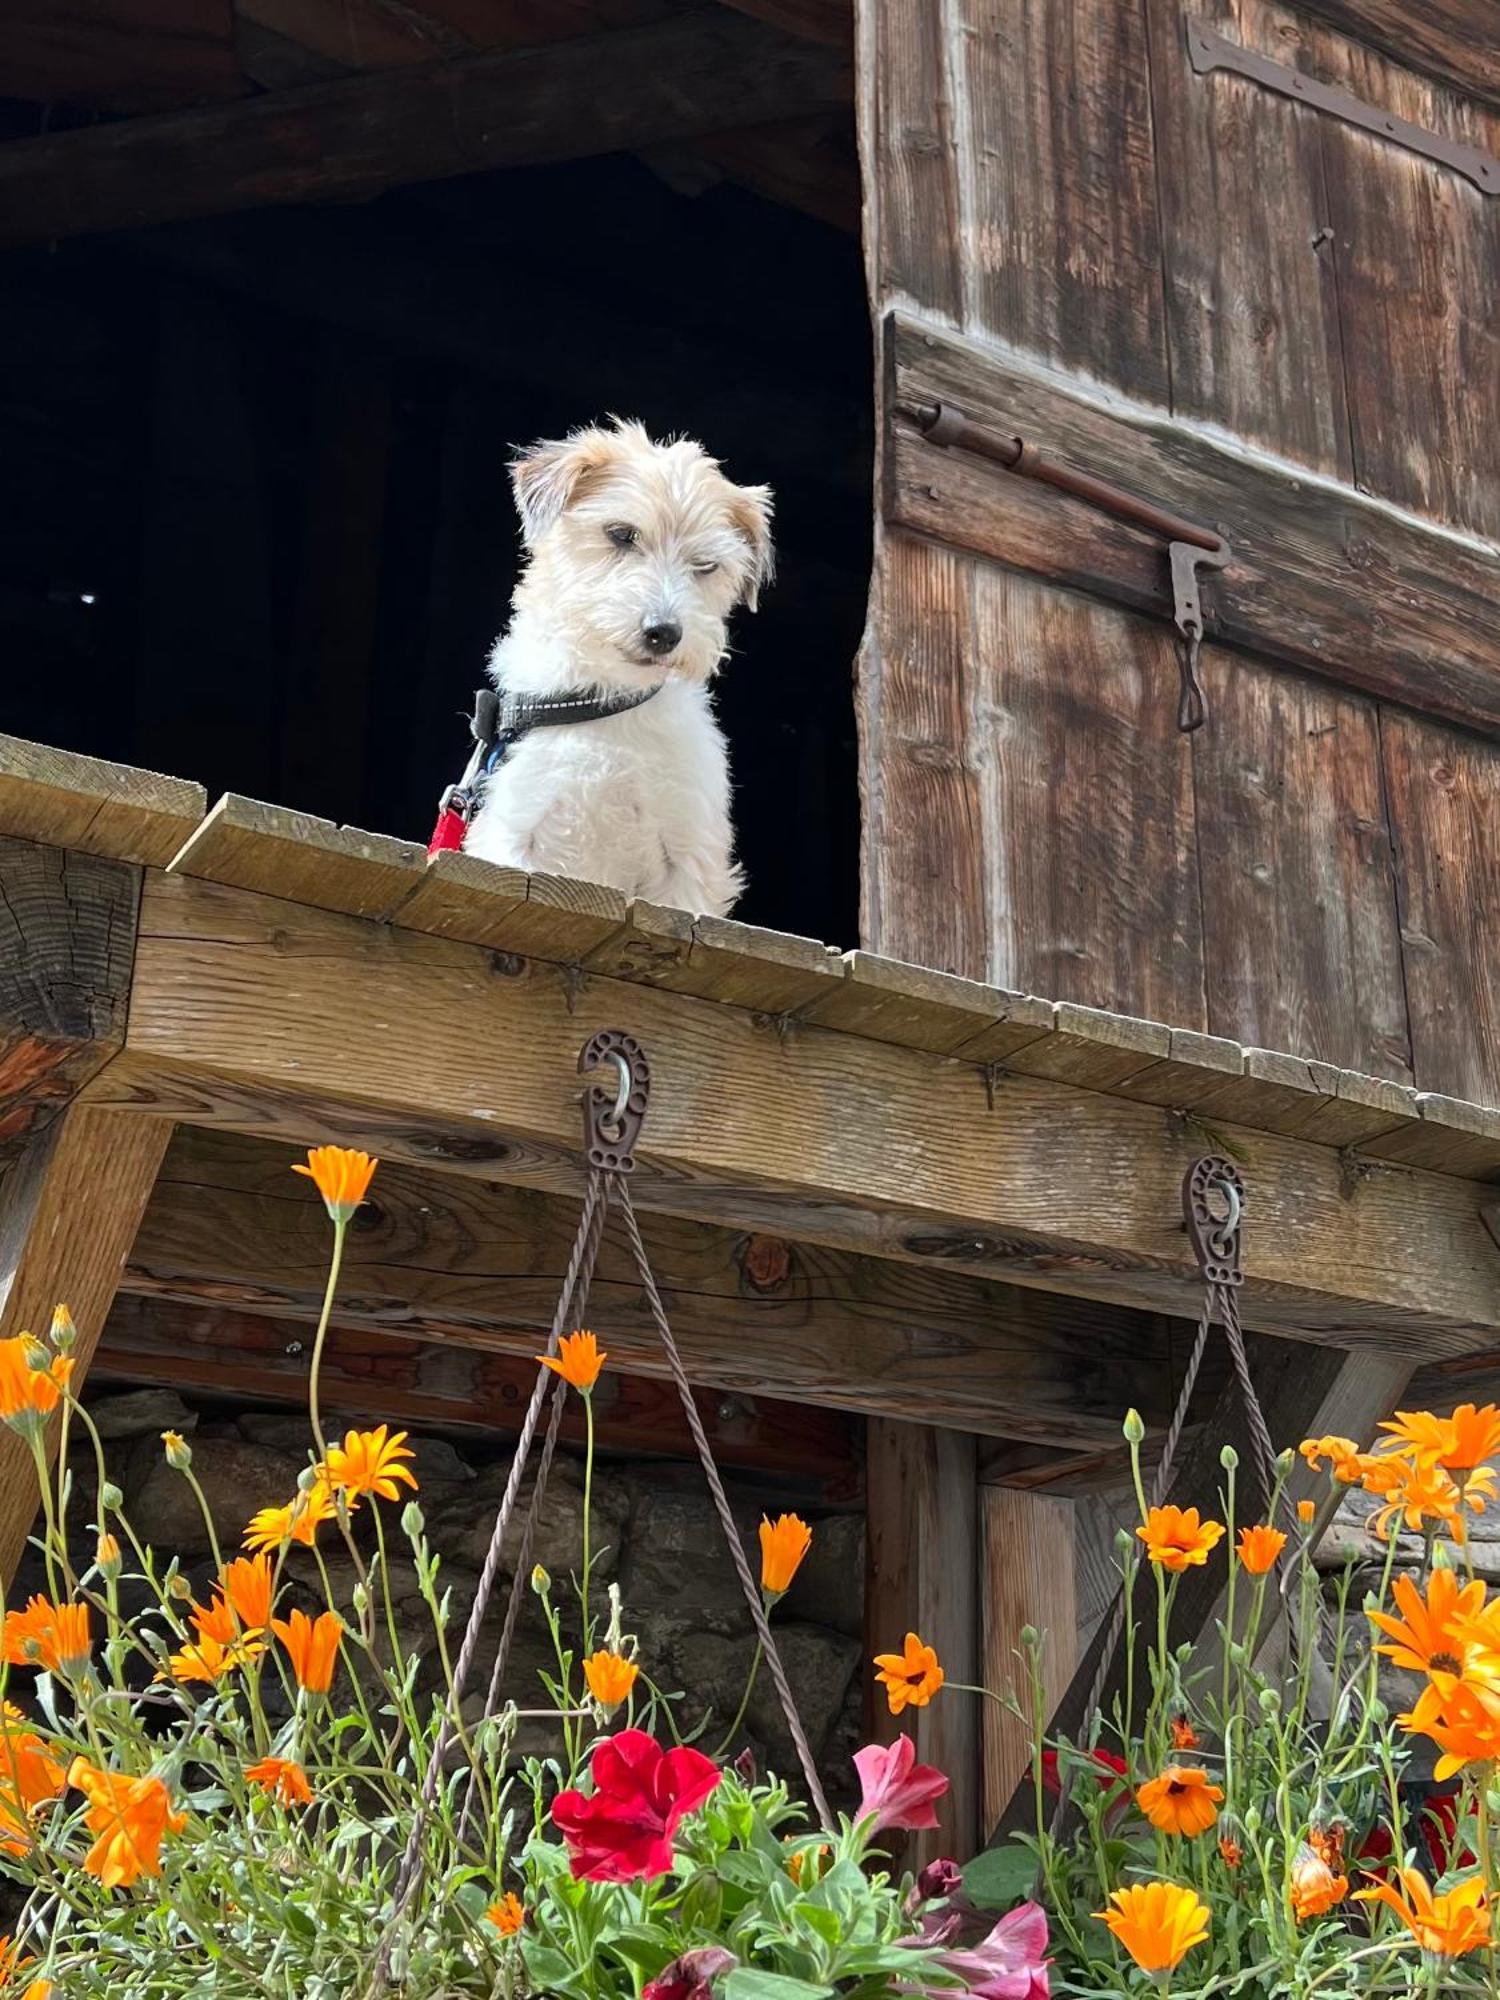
551, 474
750, 512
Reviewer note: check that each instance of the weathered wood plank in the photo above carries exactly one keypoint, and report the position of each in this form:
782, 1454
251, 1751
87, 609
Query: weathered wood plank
69, 1208
67, 933
1321, 577
1086, 803
1027, 1570
1302, 948
1453, 40
922, 1009
93, 806
435, 1054
278, 852
543, 916
909, 154
1444, 792
701, 71
922, 1500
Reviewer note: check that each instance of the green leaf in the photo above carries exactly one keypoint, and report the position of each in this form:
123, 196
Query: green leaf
1000, 1877
746, 1983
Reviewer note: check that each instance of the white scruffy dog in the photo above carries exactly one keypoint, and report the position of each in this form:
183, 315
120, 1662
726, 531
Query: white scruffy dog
638, 553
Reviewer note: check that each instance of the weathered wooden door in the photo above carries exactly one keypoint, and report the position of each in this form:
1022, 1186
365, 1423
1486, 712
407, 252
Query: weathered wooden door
1275, 311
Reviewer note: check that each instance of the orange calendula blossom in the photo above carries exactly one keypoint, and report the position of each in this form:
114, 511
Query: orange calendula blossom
312, 1646
52, 1636
370, 1462
1157, 1922
1450, 1925
578, 1360
1307, 1512
783, 1544
1181, 1800
1259, 1548
340, 1175
1176, 1539
29, 1395
283, 1779
1459, 1443
508, 1915
209, 1658
248, 1586
911, 1677
610, 1677
1416, 1496
299, 1521
1343, 1455
1184, 1736
129, 1816
1464, 1723
30, 1776
1440, 1635
1314, 1888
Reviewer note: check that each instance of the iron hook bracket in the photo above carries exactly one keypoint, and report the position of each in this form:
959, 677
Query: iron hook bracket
1185, 560
612, 1118
1215, 1238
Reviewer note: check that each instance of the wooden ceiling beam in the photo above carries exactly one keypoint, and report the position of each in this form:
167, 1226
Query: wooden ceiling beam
708, 70
1453, 40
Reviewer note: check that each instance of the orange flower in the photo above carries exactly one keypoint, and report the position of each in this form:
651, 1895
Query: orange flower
1342, 1453
370, 1462
1231, 1853
47, 1635
1181, 1800
1440, 1636
806, 1864
1177, 1539
1307, 1512
30, 1776
1259, 1548
610, 1678
1157, 1922
342, 1177
1327, 1842
210, 1659
1458, 1443
130, 1816
508, 1914
912, 1677
29, 1395
283, 1779
247, 1583
1184, 1736
13, 1962
1464, 1723
578, 1360
216, 1621
274, 1527
1414, 1494
1315, 1889
312, 1645
783, 1544
1449, 1925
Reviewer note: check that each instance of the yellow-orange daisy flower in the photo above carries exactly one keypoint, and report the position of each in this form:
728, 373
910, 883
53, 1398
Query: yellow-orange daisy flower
1450, 1925
911, 1677
370, 1462
578, 1360
610, 1677
340, 1175
1184, 1736
298, 1521
1182, 1800
1342, 1453
783, 1544
1458, 1443
30, 1776
129, 1816
508, 1915
247, 1585
1315, 1889
1176, 1538
29, 1395
210, 1659
1439, 1635
1259, 1548
283, 1779
1307, 1512
47, 1635
312, 1645
1157, 1922
1464, 1722
1416, 1495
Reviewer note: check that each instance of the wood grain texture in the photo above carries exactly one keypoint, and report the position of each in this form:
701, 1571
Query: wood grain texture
458, 1263
1299, 904
1251, 285
1444, 792
909, 151
1027, 1571
1086, 803
922, 1497
702, 71
67, 934
69, 1209
813, 1134
301, 857
1320, 578
94, 806
1453, 40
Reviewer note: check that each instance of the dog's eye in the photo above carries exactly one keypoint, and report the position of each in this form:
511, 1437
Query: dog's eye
621, 536
704, 569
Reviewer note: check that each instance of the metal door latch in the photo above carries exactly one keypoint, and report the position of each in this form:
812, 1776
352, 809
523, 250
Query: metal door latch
1186, 559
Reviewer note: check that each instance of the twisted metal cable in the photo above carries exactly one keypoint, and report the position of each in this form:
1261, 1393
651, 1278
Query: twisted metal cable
726, 1518
1260, 1434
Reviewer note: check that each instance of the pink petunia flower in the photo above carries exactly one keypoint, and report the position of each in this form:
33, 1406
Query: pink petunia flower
1011, 1963
897, 1790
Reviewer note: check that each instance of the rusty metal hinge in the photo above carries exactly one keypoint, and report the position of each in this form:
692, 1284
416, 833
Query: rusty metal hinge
1190, 546
1209, 50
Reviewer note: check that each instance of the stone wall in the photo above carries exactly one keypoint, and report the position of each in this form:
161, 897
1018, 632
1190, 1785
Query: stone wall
655, 1533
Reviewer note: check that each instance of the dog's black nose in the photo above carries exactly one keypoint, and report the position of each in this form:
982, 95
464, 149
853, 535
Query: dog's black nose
661, 636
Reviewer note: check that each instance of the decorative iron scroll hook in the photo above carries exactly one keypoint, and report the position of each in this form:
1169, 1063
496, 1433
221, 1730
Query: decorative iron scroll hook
612, 1123
1186, 560
1215, 1238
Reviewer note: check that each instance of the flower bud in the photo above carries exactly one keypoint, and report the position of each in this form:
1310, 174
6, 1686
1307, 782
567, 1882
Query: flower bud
1252, 1819
939, 1880
179, 1457
1029, 1637
1229, 1458
38, 1359
107, 1556
181, 1589
1270, 1701
1133, 1427
64, 1334
110, 1497
360, 1597
413, 1521
541, 1582
745, 1767
307, 1479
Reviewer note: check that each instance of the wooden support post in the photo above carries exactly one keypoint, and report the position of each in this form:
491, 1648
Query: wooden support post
923, 1501
69, 1209
1027, 1573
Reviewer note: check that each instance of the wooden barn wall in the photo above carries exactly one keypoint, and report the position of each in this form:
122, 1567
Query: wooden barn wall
1316, 869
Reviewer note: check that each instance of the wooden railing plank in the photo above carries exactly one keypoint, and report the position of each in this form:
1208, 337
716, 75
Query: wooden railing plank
94, 807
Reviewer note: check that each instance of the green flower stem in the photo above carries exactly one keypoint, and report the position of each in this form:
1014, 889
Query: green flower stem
588, 1505
739, 1715
335, 1263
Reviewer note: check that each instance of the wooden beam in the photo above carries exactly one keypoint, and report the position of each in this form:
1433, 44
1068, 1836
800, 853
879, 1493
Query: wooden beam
1027, 1572
265, 1016
1358, 591
69, 1209
452, 1261
67, 931
703, 71
93, 806
1453, 40
218, 1350
923, 1552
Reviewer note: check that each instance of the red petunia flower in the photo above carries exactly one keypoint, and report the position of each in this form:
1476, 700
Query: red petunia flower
1112, 1768
690, 1977
622, 1831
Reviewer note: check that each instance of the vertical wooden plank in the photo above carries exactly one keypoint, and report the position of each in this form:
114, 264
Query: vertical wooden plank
69, 1209
909, 156
1444, 792
923, 1552
1027, 1579
924, 888
1418, 253
1301, 944
1251, 287
1086, 787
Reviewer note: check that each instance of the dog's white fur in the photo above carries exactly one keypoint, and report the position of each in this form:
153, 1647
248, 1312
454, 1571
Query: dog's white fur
640, 800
